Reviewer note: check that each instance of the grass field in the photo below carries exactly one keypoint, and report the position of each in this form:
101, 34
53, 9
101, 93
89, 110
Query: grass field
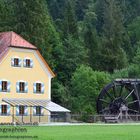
85, 132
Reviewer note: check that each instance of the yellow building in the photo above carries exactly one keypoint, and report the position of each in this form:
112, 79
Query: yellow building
25, 83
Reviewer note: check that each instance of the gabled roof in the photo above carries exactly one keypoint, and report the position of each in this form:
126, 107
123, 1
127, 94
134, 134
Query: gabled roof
14, 40
11, 39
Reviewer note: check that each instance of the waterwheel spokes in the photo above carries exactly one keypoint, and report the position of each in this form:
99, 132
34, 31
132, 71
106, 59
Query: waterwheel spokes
129, 103
105, 101
133, 110
129, 94
116, 95
108, 94
114, 91
121, 90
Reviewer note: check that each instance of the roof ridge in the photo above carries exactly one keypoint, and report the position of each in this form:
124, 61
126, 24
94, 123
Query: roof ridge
23, 38
17, 42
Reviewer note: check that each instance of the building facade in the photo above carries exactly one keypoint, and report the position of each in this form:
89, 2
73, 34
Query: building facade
25, 82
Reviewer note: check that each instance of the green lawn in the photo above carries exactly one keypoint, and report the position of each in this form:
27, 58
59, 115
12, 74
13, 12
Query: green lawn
92, 132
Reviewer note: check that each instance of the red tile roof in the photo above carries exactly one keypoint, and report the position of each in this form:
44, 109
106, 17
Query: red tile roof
11, 39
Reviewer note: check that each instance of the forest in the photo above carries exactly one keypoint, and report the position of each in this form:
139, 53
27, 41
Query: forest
87, 43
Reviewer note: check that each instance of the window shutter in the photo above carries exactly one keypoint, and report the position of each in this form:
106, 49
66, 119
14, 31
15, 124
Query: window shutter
20, 62
17, 110
26, 110
0, 85
42, 88
8, 109
17, 86
31, 63
8, 86
34, 110
34, 87
26, 87
24, 62
12, 61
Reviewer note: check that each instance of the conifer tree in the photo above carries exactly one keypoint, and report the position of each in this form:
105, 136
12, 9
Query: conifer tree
91, 39
34, 24
6, 13
70, 23
56, 8
113, 55
74, 51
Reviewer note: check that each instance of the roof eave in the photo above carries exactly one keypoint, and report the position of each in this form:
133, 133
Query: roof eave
22, 47
46, 64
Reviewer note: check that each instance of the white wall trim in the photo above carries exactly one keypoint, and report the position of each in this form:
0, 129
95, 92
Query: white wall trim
22, 50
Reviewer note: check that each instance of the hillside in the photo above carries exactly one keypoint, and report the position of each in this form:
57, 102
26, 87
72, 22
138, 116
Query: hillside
87, 43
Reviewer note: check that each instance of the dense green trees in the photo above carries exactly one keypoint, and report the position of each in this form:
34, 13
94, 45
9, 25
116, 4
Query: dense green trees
112, 37
34, 23
84, 90
88, 43
6, 13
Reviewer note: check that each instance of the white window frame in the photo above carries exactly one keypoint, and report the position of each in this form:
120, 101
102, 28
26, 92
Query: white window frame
42, 87
25, 113
25, 86
8, 85
8, 110
35, 111
13, 61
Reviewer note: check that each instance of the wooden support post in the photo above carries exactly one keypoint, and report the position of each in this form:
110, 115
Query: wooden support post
13, 115
31, 114
39, 117
22, 118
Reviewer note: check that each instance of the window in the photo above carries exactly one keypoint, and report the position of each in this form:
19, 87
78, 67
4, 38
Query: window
21, 87
16, 62
21, 110
28, 63
38, 110
3, 109
38, 87
4, 85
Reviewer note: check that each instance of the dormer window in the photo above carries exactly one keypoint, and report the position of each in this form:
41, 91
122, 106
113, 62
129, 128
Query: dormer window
28, 62
16, 62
